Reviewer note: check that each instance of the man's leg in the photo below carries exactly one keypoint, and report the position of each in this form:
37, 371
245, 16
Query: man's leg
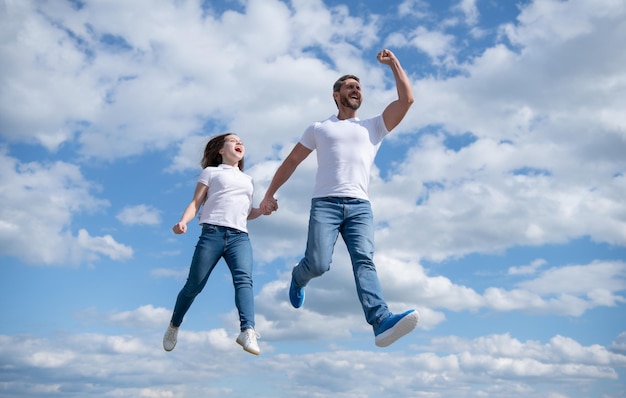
324, 220
358, 233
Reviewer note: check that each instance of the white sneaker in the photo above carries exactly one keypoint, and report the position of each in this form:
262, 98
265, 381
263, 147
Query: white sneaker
169, 340
247, 339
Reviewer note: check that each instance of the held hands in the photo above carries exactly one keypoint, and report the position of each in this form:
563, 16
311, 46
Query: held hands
268, 205
386, 57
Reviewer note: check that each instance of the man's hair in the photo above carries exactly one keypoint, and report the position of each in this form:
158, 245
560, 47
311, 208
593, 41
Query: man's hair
339, 82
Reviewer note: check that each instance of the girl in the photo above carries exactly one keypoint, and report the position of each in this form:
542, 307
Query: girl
225, 193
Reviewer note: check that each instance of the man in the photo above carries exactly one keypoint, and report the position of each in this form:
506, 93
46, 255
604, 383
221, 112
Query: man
346, 147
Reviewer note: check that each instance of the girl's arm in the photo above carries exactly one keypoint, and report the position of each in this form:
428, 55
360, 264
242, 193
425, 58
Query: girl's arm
255, 212
190, 212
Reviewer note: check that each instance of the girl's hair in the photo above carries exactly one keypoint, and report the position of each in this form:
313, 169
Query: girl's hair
212, 155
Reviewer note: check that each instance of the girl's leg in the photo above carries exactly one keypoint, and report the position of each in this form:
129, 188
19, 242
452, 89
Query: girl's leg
208, 251
238, 256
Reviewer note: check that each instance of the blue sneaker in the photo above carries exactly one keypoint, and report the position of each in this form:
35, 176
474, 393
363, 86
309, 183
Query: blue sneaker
395, 326
296, 295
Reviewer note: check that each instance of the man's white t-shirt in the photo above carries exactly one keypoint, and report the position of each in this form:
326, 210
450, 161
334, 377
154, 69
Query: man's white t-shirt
345, 154
229, 197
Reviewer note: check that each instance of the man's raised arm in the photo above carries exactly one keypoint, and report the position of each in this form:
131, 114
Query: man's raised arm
395, 111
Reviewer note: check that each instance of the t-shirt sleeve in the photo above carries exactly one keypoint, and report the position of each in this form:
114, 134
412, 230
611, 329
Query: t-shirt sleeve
379, 127
205, 176
308, 138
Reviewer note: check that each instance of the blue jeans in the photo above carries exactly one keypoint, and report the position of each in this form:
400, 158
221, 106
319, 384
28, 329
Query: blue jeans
354, 220
214, 243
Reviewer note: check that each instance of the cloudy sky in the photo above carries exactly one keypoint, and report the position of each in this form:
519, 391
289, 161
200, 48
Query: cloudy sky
499, 200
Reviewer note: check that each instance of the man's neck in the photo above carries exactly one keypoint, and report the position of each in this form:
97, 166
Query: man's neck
345, 114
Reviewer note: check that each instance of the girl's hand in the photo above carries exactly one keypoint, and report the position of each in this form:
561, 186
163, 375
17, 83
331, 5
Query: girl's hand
269, 205
179, 228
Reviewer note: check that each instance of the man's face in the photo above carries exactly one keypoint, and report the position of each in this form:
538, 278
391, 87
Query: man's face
350, 94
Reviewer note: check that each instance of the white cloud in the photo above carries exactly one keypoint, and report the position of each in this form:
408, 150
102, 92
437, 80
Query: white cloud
568, 290
478, 204
442, 365
544, 166
38, 203
496, 100
473, 201
434, 43
331, 299
105, 245
619, 345
469, 10
178, 274
139, 215
553, 22
577, 279
144, 316
528, 269
416, 8
482, 186
169, 82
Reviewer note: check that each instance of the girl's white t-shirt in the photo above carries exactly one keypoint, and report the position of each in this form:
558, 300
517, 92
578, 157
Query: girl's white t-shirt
229, 197
345, 154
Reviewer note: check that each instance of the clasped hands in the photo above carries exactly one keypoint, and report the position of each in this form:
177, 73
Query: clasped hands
268, 205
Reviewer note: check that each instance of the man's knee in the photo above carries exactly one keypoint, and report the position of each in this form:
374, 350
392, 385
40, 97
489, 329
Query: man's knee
315, 267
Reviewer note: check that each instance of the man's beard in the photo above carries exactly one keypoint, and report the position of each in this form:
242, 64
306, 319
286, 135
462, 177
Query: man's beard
349, 103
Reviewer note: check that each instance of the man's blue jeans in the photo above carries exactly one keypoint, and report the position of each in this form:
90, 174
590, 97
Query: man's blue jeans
214, 243
354, 220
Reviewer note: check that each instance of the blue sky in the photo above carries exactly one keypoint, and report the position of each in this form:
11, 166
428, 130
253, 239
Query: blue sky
499, 199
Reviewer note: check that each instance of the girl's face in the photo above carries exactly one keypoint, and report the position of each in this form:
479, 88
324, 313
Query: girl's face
233, 150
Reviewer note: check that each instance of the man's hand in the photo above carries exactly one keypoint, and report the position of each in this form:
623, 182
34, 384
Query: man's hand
268, 205
386, 57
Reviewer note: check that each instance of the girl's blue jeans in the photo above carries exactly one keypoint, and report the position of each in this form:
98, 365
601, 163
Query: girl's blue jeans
214, 243
353, 219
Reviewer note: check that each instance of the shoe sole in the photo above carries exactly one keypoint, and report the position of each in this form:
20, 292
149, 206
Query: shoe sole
402, 328
297, 303
247, 349
173, 345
